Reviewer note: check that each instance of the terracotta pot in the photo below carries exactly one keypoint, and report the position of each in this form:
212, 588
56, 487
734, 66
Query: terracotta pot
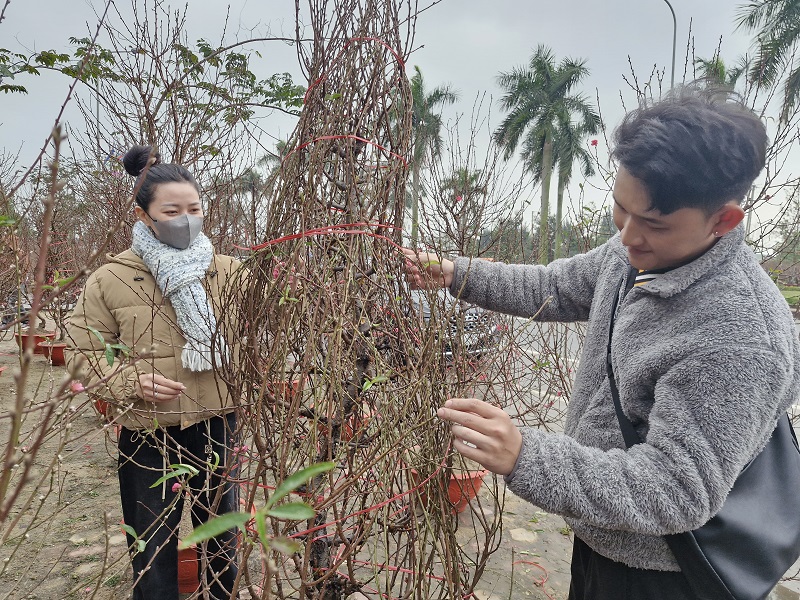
354, 426
39, 337
285, 390
461, 488
188, 578
54, 351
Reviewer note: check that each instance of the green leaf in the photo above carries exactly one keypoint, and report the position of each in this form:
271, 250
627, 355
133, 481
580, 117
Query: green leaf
177, 471
285, 545
110, 355
370, 382
214, 527
97, 334
6, 221
261, 526
129, 530
64, 281
430, 263
295, 480
141, 545
294, 511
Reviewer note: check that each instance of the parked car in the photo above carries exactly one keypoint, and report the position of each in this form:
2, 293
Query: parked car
470, 329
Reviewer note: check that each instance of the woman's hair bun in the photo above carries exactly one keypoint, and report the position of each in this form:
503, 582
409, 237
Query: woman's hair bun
135, 159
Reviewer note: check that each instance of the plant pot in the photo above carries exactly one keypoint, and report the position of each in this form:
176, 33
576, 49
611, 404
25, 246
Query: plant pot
54, 351
352, 427
38, 337
188, 578
284, 390
461, 488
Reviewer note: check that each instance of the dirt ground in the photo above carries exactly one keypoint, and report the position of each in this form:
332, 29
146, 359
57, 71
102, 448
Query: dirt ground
69, 545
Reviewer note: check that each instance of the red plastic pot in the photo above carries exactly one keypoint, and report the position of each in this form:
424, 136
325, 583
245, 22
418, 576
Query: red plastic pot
54, 351
352, 427
461, 488
38, 338
284, 390
188, 578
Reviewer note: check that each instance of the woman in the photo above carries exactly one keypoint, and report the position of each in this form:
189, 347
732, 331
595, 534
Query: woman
158, 303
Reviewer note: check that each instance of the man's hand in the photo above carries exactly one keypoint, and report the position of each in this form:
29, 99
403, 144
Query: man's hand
157, 388
425, 271
483, 433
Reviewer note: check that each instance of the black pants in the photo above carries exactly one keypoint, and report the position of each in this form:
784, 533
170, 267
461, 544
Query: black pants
155, 513
595, 577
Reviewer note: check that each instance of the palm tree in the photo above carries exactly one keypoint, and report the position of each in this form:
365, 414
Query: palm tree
251, 183
272, 162
568, 148
426, 131
714, 72
541, 109
777, 25
465, 191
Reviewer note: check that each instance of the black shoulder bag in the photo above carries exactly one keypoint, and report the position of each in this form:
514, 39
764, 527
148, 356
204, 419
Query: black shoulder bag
744, 550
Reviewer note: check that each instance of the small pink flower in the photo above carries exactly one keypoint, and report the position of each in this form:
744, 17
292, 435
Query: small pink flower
240, 450
459, 198
176, 487
76, 387
594, 142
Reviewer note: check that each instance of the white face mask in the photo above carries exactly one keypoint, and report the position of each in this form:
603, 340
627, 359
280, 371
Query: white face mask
179, 232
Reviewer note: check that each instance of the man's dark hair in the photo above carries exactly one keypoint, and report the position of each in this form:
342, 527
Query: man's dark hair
692, 150
135, 163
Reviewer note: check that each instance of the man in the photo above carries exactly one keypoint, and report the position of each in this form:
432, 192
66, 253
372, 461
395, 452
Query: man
704, 351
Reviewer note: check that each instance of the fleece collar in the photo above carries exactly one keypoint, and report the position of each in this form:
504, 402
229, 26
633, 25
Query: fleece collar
677, 280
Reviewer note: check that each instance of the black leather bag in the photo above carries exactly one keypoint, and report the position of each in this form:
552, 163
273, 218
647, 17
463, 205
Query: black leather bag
744, 550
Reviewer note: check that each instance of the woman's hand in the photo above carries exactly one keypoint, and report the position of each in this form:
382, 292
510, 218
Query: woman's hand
157, 388
483, 433
426, 271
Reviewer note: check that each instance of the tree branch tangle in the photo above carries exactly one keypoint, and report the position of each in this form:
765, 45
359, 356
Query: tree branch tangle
335, 364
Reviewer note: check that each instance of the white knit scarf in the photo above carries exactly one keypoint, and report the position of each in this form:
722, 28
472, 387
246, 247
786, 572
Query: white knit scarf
179, 275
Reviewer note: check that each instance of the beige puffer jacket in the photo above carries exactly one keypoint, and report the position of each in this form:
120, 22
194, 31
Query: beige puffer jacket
122, 302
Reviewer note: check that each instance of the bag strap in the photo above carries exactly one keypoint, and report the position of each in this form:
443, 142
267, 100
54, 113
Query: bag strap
629, 433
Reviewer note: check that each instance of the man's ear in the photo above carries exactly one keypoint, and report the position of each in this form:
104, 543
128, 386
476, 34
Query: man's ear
727, 218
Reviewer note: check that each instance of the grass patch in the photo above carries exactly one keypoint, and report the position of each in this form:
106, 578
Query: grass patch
792, 296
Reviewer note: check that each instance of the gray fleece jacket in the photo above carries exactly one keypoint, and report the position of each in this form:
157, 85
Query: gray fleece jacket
706, 358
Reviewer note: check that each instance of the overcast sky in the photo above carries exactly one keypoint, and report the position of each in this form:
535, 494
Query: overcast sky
464, 43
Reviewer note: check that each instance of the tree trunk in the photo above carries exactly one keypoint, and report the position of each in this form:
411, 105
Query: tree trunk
547, 171
559, 217
415, 205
